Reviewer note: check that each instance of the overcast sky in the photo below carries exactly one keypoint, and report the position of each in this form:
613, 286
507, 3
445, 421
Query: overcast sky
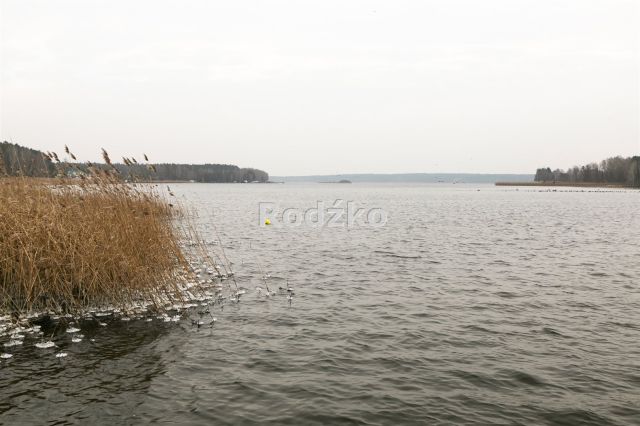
319, 87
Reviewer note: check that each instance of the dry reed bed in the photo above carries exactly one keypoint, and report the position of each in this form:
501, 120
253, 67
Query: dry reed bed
88, 242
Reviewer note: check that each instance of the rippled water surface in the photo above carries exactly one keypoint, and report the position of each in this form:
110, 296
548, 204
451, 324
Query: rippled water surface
472, 305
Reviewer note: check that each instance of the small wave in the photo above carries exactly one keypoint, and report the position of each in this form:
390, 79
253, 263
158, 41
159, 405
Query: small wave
575, 417
475, 327
507, 294
478, 379
553, 332
422, 315
397, 256
625, 325
527, 379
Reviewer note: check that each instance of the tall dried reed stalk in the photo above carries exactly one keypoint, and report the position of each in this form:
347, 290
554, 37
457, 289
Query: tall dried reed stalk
70, 244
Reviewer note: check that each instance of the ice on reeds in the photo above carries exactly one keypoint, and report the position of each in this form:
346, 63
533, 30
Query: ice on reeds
169, 318
61, 355
12, 343
18, 331
45, 345
6, 356
76, 340
266, 293
191, 294
189, 285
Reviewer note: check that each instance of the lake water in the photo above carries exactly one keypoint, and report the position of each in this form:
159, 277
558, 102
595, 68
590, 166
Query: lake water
471, 305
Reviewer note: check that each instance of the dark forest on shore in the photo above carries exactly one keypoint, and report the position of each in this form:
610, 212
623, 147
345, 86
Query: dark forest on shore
16, 160
614, 170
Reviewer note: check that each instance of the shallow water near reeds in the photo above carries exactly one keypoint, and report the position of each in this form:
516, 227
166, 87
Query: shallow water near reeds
472, 305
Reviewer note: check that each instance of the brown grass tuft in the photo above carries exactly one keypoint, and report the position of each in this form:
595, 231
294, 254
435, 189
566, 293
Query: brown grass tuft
67, 245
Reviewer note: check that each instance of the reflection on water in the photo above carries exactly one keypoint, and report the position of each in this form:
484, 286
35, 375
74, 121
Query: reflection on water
107, 374
492, 307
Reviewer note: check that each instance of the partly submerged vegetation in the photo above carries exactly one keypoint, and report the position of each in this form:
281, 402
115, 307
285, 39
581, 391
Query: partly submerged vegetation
66, 247
100, 247
70, 245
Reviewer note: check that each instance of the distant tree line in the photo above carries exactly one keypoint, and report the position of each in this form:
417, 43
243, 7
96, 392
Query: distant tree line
614, 170
16, 160
193, 172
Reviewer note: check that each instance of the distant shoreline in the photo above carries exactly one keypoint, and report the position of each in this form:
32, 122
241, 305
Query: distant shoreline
566, 184
410, 178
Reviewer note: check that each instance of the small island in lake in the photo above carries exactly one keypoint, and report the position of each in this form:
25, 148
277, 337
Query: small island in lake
339, 181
